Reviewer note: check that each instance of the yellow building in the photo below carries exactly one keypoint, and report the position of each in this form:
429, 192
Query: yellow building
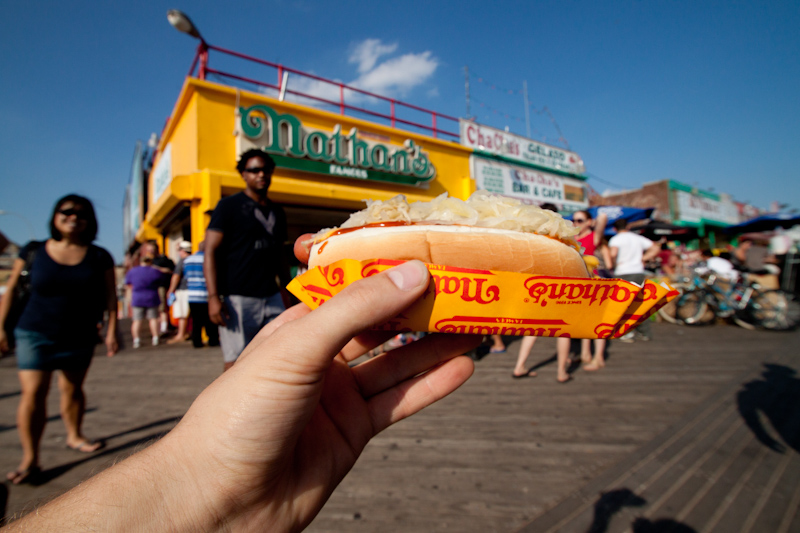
327, 164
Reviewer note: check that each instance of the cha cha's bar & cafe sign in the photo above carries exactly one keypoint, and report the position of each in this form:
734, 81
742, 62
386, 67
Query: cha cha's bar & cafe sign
333, 153
518, 149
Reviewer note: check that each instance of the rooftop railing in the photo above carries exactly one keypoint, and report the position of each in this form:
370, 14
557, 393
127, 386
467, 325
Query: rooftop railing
429, 122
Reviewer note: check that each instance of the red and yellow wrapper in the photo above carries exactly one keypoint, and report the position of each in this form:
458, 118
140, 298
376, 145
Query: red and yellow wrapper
461, 300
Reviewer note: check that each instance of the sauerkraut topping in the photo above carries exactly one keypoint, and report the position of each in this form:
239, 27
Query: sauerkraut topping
482, 209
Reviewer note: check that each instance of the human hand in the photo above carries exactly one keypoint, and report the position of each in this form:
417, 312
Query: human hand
112, 345
215, 311
266, 444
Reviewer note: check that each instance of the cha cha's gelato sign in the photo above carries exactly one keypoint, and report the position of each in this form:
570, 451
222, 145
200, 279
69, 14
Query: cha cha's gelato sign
519, 149
333, 153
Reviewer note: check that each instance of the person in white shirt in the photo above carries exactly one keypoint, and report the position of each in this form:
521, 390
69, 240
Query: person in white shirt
720, 266
630, 252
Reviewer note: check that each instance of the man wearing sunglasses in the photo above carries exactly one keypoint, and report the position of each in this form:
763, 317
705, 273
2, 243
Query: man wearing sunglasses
244, 256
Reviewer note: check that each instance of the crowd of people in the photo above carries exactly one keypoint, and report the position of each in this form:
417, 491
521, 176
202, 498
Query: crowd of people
232, 289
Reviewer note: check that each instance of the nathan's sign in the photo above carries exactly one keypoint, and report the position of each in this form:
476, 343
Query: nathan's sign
515, 148
333, 153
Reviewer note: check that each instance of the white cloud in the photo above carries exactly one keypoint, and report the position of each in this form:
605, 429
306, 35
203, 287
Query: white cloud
392, 77
400, 74
366, 53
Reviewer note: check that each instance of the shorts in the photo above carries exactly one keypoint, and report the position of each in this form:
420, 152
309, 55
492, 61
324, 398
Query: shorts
180, 307
36, 351
139, 313
246, 317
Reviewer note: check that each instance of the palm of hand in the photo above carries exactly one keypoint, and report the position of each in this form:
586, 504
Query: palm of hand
294, 445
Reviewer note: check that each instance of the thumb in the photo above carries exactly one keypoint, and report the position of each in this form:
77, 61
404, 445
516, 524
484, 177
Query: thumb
316, 338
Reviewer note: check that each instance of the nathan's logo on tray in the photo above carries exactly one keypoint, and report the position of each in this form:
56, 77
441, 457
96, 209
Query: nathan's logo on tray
460, 300
502, 326
591, 292
469, 289
463, 282
334, 153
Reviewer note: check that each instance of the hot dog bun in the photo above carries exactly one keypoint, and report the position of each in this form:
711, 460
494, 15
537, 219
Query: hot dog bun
487, 232
462, 246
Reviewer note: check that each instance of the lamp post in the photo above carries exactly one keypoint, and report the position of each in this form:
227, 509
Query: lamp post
25, 220
181, 22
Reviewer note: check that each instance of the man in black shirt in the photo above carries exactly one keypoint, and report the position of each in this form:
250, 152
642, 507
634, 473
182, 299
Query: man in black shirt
244, 256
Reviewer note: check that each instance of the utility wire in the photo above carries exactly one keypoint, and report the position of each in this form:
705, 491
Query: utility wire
539, 111
601, 180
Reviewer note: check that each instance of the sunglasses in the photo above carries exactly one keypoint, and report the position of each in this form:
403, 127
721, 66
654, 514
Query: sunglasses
72, 211
579, 220
256, 170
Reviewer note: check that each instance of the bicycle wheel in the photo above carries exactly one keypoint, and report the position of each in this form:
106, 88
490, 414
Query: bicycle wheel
692, 308
668, 311
775, 310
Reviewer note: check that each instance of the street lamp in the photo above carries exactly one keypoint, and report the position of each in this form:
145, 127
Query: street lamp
181, 22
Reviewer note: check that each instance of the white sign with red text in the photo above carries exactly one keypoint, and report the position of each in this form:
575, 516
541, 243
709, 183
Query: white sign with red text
697, 208
530, 186
505, 144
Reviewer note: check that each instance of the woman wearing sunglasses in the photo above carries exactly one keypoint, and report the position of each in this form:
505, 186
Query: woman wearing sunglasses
591, 237
71, 286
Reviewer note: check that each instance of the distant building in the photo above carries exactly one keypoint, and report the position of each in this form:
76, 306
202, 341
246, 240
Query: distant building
685, 205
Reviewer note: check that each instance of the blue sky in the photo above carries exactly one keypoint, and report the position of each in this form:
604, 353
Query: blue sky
704, 93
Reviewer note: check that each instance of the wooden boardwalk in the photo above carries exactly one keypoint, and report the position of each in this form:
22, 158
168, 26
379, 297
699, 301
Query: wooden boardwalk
690, 430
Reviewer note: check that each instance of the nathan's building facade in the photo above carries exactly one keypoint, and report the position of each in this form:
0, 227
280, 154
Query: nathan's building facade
327, 164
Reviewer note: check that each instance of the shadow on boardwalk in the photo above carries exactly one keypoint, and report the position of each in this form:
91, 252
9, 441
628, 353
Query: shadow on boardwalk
776, 396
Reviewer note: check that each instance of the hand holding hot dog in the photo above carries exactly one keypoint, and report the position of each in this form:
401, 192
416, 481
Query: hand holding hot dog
264, 446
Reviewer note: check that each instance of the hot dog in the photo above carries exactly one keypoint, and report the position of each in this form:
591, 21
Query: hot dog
487, 232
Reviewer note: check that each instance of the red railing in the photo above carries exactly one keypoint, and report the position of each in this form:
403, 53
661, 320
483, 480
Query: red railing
201, 58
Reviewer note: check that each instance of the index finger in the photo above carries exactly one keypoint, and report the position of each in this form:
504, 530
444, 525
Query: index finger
358, 346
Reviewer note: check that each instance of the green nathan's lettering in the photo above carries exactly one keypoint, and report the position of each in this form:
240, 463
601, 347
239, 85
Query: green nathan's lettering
284, 134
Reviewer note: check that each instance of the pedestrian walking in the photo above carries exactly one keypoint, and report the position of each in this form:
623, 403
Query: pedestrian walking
178, 291
244, 256
630, 252
197, 296
71, 285
142, 283
166, 266
562, 344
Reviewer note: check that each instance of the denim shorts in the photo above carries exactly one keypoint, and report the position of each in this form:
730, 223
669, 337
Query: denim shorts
246, 317
140, 313
36, 351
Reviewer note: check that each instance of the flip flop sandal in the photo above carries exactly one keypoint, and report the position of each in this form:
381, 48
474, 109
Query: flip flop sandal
29, 475
82, 447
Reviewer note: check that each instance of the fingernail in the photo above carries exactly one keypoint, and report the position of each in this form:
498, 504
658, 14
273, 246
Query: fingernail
408, 275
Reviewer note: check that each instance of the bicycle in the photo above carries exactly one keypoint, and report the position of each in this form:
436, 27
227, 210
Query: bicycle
746, 303
684, 284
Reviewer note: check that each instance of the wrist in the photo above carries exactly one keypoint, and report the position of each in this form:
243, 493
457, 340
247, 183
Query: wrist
182, 506
203, 502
